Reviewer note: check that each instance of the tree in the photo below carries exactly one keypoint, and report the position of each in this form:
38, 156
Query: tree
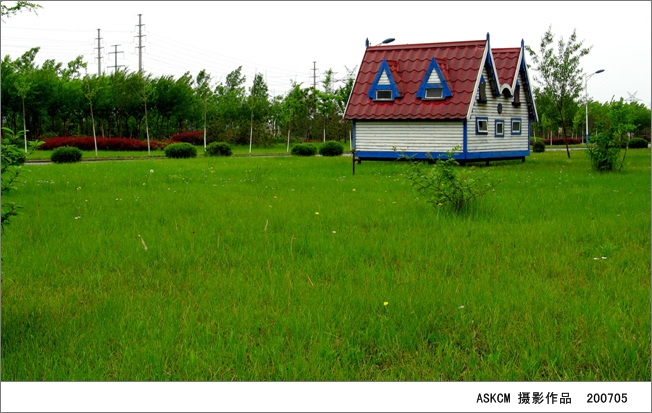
560, 74
19, 6
203, 82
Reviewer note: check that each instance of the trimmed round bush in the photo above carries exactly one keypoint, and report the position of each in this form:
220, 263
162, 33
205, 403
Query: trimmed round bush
66, 154
180, 150
304, 149
331, 148
637, 143
218, 149
538, 147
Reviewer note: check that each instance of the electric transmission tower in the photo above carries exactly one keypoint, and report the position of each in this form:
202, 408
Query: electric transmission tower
99, 54
140, 43
115, 67
314, 75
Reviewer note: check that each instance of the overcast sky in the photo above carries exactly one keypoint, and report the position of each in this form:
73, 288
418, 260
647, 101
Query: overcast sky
283, 39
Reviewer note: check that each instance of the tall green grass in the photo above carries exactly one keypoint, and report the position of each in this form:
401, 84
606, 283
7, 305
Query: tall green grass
292, 269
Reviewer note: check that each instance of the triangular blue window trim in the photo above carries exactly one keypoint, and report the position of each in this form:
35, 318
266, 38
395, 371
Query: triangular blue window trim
384, 67
446, 91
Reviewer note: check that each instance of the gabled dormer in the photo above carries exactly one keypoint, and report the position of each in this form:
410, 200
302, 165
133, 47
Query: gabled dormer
384, 88
434, 85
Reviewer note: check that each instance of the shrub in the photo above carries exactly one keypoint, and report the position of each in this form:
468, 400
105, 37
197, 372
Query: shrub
304, 149
637, 143
443, 183
331, 148
180, 150
539, 147
219, 149
604, 152
66, 154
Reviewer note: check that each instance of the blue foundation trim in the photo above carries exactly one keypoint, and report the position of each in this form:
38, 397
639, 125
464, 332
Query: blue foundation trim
396, 155
435, 155
503, 154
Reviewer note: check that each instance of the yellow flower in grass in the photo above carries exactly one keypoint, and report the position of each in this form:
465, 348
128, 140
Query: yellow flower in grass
316, 213
386, 303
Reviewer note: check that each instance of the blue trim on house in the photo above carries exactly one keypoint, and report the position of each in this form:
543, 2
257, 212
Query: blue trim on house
435, 155
520, 128
384, 67
496, 134
477, 119
523, 69
446, 92
465, 139
499, 154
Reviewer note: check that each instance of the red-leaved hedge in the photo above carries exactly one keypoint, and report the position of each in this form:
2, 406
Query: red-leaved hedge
195, 137
560, 141
86, 143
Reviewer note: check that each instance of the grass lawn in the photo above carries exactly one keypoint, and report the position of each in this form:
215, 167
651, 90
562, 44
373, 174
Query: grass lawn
292, 269
237, 150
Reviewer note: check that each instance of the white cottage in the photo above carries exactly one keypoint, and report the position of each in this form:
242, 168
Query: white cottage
429, 98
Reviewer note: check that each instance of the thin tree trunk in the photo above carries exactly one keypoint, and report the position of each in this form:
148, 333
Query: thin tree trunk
563, 129
24, 126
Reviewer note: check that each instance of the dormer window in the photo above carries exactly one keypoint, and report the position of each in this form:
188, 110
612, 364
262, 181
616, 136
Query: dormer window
434, 85
384, 88
384, 95
434, 93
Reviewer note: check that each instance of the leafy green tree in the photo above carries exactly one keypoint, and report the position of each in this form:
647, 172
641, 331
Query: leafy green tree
560, 74
8, 11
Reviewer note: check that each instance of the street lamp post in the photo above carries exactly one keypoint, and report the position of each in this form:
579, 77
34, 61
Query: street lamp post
586, 91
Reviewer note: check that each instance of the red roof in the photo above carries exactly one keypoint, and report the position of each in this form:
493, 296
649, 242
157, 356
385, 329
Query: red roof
506, 61
459, 62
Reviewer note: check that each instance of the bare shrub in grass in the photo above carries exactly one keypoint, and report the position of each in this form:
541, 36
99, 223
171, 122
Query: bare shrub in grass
445, 183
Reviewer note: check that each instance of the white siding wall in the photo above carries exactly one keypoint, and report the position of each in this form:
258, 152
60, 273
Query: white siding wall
434, 77
490, 142
384, 80
408, 136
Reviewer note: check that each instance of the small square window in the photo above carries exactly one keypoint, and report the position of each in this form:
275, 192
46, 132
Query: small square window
500, 128
482, 126
516, 126
384, 95
434, 93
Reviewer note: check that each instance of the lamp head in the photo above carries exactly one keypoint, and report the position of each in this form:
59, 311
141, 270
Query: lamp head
600, 71
391, 39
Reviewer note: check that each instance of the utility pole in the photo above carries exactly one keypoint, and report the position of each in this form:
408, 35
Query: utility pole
99, 54
140, 43
115, 68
